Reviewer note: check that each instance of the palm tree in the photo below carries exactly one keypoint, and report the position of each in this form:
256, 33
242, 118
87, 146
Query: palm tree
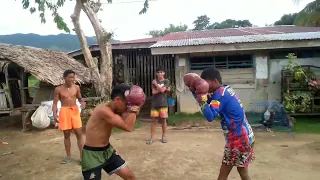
310, 15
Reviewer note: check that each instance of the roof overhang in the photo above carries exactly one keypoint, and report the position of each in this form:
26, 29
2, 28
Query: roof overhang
236, 47
114, 47
132, 45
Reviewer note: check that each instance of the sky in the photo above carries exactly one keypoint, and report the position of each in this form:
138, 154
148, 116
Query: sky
123, 17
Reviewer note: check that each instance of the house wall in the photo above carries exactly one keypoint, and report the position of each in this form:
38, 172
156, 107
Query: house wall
259, 84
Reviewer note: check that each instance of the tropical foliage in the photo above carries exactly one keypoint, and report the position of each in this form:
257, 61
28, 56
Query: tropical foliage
167, 30
308, 16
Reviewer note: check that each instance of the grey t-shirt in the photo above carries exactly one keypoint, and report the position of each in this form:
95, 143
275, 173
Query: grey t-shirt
160, 100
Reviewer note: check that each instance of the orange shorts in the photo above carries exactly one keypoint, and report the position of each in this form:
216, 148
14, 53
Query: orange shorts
69, 118
159, 112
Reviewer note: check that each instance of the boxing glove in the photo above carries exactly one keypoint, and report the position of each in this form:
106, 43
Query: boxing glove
201, 90
135, 98
201, 86
190, 79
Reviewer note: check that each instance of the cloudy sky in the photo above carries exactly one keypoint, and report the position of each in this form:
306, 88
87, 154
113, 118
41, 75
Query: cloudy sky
122, 16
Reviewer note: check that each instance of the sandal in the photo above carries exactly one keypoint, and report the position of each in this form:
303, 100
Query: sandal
149, 141
66, 160
164, 140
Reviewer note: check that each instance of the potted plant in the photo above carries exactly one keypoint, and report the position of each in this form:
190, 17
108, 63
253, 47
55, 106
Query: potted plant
298, 101
295, 74
172, 99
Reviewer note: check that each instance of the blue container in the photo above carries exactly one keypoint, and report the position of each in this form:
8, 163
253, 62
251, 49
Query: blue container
171, 102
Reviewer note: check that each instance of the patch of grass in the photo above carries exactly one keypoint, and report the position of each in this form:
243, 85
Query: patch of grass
307, 125
34, 83
179, 118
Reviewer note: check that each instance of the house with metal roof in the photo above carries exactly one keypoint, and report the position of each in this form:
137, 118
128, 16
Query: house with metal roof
250, 59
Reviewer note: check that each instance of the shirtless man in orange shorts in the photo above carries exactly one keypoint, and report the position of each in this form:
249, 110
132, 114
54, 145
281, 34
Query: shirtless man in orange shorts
69, 116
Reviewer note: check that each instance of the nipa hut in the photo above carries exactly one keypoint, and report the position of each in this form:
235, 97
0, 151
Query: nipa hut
17, 63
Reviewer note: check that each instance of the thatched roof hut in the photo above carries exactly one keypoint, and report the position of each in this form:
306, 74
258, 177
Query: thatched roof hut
46, 65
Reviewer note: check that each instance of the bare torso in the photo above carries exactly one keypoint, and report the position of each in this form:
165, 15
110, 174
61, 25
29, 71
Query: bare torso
68, 96
98, 131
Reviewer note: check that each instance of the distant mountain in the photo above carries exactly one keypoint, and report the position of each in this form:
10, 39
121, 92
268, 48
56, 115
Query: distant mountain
60, 42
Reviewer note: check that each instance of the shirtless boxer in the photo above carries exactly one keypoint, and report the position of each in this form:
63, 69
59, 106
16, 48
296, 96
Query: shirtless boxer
120, 112
69, 116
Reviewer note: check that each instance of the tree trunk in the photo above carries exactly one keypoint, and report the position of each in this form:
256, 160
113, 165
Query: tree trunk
105, 48
93, 67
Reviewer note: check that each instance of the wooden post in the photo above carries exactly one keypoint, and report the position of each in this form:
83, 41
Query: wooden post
6, 74
22, 85
23, 99
24, 116
125, 69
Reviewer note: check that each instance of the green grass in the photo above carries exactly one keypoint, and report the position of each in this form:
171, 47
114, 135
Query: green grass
179, 118
302, 125
307, 125
34, 83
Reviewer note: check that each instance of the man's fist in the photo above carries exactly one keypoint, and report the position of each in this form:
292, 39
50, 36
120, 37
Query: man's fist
188, 78
197, 85
201, 86
135, 98
202, 89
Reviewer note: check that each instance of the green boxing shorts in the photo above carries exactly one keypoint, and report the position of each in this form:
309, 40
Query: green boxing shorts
94, 159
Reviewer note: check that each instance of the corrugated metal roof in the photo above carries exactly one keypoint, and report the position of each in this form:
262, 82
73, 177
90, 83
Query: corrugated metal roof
221, 36
238, 39
223, 33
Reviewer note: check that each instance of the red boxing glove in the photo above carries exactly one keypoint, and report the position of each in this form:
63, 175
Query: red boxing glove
201, 86
201, 90
135, 98
189, 80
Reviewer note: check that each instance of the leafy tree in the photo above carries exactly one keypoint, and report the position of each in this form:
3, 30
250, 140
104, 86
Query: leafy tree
287, 19
201, 23
310, 15
167, 30
102, 78
230, 23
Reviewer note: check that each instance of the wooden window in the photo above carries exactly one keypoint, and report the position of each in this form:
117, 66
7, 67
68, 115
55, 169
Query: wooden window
221, 62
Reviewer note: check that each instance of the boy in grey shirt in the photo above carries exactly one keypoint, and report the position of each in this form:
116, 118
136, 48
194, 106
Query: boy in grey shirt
159, 103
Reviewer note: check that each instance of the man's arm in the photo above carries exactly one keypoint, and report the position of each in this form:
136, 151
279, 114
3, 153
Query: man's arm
126, 123
209, 112
79, 97
55, 102
155, 91
211, 109
158, 88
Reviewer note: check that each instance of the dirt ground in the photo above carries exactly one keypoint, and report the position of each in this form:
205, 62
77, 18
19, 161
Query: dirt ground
190, 154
